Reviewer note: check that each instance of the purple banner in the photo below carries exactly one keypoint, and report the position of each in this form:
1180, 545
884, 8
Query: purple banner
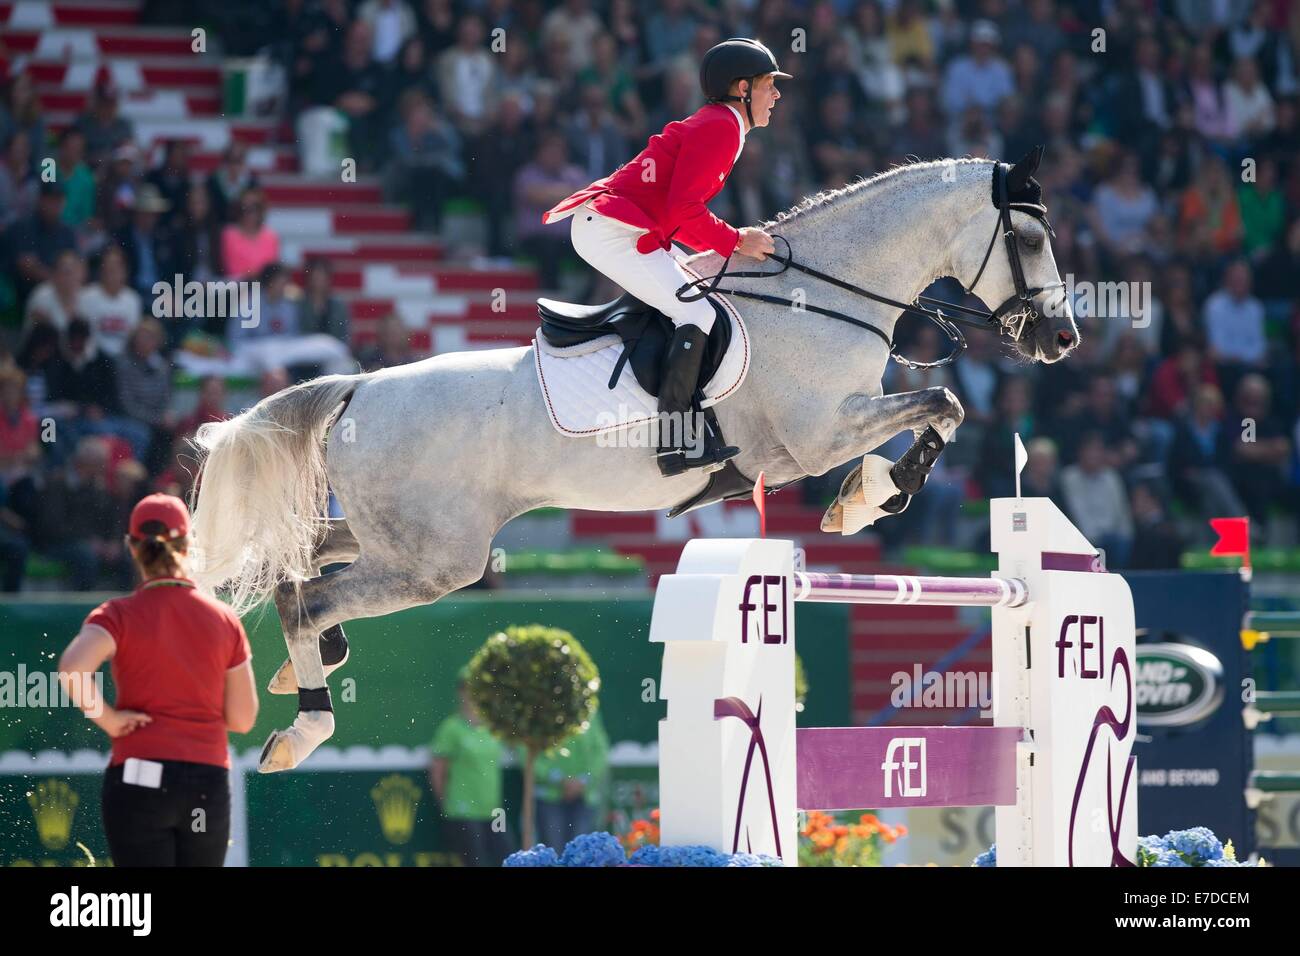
1059, 561
859, 768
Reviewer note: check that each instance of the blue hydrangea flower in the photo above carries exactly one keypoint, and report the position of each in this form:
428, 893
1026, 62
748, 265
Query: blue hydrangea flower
1199, 843
594, 849
540, 855
754, 859
680, 856
1152, 843
648, 855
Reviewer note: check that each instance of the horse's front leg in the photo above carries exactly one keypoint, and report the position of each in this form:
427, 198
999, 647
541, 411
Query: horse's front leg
878, 487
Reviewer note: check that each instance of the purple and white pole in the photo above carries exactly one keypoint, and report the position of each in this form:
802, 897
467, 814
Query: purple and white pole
909, 589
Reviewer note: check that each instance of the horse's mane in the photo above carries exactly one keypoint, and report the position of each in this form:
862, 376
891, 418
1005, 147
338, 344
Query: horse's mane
827, 197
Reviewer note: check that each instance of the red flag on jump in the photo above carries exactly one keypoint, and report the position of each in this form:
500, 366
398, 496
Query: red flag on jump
1234, 538
760, 502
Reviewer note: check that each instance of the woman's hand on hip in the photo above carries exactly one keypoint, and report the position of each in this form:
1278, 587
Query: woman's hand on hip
119, 723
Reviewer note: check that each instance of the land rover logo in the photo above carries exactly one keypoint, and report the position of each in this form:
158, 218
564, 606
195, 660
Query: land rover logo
1177, 684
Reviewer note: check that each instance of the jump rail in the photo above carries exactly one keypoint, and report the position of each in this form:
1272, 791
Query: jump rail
1057, 764
903, 589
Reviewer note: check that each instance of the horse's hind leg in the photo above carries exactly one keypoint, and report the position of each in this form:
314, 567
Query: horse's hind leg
339, 547
366, 588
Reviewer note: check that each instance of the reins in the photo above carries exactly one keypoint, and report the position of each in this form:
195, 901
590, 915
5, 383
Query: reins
925, 306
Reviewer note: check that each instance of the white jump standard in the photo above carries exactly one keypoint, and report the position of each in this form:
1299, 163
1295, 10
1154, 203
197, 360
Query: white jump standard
1057, 764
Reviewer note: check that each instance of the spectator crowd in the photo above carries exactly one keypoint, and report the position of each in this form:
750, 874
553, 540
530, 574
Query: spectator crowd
1172, 170
89, 361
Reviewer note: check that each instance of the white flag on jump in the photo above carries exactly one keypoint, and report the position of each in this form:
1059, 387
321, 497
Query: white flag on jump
1022, 458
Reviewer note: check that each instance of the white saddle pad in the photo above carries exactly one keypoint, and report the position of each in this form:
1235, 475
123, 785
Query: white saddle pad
575, 382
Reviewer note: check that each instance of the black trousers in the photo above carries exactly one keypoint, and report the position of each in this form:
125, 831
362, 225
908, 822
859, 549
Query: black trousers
184, 822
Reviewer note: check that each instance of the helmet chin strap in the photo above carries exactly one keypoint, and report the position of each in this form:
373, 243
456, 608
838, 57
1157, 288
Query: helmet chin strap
747, 99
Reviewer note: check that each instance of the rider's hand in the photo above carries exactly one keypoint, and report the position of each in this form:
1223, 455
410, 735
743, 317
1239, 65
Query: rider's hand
755, 243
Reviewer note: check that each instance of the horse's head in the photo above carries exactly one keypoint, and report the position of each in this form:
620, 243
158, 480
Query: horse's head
1015, 272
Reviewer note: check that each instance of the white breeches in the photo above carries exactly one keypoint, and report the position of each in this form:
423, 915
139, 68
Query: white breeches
609, 246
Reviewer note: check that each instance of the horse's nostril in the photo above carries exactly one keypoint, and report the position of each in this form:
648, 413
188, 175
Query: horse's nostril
1065, 339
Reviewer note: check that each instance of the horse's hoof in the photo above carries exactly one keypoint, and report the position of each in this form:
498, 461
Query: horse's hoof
277, 753
863, 495
876, 482
286, 682
833, 520
286, 749
856, 515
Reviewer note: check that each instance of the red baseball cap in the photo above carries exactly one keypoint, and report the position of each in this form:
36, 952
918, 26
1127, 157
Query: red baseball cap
167, 510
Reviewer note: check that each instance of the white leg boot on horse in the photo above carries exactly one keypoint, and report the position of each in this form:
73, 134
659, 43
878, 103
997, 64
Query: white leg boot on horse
285, 749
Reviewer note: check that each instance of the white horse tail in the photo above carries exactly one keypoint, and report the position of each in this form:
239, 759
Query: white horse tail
261, 493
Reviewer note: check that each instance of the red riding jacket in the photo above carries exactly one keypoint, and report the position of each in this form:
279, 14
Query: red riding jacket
665, 188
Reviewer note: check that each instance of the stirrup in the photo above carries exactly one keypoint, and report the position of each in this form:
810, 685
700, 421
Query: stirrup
675, 461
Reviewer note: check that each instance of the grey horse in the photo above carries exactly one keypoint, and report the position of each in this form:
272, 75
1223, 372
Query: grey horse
430, 460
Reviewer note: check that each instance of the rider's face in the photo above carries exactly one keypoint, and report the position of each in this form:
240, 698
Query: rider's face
765, 95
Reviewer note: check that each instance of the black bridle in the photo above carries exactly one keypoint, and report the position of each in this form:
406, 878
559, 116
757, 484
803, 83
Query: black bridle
1014, 318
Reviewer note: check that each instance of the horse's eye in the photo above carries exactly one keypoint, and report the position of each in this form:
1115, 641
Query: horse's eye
1033, 242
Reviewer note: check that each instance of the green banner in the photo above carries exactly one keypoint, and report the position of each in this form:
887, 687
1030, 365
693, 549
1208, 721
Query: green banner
364, 799
399, 682
344, 818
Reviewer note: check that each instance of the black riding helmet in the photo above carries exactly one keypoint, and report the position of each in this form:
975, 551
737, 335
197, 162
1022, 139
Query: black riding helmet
735, 59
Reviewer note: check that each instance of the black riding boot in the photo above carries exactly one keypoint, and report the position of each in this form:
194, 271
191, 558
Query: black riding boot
680, 434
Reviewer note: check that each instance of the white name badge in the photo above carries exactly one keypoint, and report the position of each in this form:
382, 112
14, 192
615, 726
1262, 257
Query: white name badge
142, 773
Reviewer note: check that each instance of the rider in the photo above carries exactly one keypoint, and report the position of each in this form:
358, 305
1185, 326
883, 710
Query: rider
623, 224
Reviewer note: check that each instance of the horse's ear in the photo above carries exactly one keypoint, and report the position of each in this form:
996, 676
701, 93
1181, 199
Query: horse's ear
1019, 175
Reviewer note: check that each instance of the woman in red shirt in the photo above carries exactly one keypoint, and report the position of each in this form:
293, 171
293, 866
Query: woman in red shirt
624, 224
184, 677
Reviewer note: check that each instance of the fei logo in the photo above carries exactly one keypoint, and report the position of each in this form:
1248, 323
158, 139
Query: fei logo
1085, 656
905, 760
760, 599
